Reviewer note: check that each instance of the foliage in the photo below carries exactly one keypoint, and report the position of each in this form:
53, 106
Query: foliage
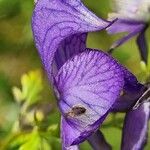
31, 88
31, 129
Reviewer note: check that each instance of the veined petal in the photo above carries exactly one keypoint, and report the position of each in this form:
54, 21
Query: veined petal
55, 20
132, 29
130, 93
96, 140
121, 25
67, 132
88, 85
67, 48
135, 128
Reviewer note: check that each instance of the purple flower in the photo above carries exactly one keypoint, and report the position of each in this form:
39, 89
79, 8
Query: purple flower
135, 130
133, 17
87, 82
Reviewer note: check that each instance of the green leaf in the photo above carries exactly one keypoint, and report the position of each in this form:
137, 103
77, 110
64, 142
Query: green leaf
31, 143
53, 129
113, 136
144, 75
28, 141
31, 88
54, 141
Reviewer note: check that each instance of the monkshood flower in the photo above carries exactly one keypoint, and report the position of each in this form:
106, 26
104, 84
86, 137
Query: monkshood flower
133, 17
87, 82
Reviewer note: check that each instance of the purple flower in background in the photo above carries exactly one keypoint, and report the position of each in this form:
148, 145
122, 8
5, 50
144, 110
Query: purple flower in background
133, 17
87, 82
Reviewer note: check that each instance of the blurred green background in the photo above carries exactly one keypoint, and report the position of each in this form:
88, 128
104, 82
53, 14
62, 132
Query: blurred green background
29, 119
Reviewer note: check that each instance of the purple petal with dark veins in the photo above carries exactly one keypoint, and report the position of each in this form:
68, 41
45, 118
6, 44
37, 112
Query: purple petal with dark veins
65, 131
135, 128
131, 92
91, 80
142, 44
55, 20
132, 28
98, 141
67, 48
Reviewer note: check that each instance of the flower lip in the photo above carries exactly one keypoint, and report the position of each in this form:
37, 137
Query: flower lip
89, 83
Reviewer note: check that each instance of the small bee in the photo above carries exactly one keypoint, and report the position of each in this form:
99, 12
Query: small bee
76, 111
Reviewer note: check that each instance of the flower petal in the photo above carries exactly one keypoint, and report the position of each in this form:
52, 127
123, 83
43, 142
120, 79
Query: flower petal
130, 94
126, 37
88, 85
132, 28
135, 128
97, 141
67, 48
66, 133
55, 20
142, 44
123, 26
74, 147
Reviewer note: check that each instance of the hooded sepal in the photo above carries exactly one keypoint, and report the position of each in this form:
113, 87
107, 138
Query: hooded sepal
54, 21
